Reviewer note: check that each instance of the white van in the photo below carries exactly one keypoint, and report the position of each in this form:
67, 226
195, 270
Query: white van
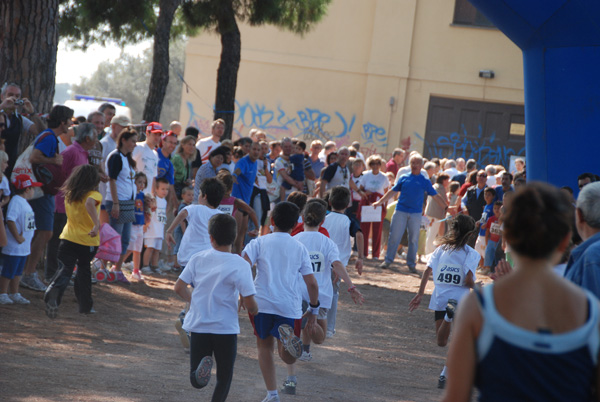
83, 105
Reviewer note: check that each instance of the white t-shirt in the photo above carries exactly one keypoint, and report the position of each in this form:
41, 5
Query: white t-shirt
376, 183
4, 186
491, 181
358, 181
20, 212
338, 226
206, 146
450, 269
323, 252
279, 258
146, 160
282, 164
108, 145
156, 227
196, 237
218, 279
124, 181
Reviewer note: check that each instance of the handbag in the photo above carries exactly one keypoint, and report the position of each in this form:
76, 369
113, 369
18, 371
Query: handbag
126, 211
23, 166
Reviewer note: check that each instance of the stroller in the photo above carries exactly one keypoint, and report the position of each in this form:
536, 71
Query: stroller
109, 250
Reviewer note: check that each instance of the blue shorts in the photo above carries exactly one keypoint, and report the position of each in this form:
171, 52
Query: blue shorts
13, 265
266, 325
43, 209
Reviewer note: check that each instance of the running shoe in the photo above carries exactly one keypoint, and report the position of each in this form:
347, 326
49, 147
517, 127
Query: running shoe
33, 282
51, 297
147, 271
330, 334
121, 277
291, 342
289, 387
5, 299
202, 373
18, 299
271, 399
451, 308
306, 356
442, 382
412, 270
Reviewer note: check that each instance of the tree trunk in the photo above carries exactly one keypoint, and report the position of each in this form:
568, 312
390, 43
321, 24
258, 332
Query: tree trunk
160, 63
28, 47
229, 65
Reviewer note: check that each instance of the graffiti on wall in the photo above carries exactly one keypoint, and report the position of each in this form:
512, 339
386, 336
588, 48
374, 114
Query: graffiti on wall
485, 150
307, 124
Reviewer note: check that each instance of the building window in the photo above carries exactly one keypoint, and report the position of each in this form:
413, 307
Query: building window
466, 14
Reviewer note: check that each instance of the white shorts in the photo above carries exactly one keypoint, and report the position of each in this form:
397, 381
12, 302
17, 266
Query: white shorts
136, 241
480, 246
153, 242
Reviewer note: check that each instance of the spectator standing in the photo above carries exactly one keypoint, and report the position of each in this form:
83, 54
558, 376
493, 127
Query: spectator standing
338, 174
45, 151
396, 161
121, 172
186, 162
19, 128
471, 166
316, 163
145, 157
474, 200
209, 169
374, 184
165, 166
207, 145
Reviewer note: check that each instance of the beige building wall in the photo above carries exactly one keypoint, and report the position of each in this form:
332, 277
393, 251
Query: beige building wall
364, 73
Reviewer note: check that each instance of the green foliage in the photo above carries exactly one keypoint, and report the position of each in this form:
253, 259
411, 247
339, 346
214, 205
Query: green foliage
83, 22
128, 78
297, 16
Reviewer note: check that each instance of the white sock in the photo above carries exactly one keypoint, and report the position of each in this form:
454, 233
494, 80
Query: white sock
443, 372
447, 319
271, 393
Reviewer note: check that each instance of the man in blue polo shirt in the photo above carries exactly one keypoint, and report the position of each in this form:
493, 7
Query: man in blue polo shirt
165, 168
412, 188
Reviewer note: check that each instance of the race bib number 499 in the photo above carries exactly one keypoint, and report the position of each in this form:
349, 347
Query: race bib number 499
449, 275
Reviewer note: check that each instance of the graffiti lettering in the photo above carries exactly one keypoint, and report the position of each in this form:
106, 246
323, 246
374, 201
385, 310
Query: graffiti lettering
485, 150
373, 134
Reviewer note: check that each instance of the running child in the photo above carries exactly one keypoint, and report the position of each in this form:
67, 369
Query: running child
324, 256
279, 259
218, 279
153, 237
20, 226
196, 238
489, 194
137, 227
341, 229
493, 235
453, 265
79, 240
187, 197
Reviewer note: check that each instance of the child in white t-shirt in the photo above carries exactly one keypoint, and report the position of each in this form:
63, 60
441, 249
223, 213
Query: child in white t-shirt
196, 238
218, 278
341, 229
155, 232
4, 184
453, 265
20, 226
281, 262
324, 258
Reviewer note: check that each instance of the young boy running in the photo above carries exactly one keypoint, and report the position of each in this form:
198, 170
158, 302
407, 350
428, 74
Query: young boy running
341, 229
279, 258
218, 278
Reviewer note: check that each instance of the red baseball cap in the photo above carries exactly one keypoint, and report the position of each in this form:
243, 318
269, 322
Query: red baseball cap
24, 181
168, 134
154, 127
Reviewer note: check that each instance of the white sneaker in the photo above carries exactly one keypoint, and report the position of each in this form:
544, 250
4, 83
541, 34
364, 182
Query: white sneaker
4, 299
147, 271
18, 299
33, 282
306, 356
329, 334
271, 399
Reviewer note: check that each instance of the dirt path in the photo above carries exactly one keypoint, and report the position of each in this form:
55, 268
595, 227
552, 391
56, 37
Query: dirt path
130, 351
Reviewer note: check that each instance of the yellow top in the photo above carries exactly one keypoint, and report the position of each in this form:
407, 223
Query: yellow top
79, 223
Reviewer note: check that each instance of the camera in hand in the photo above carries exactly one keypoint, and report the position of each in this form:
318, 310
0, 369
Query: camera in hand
19, 102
